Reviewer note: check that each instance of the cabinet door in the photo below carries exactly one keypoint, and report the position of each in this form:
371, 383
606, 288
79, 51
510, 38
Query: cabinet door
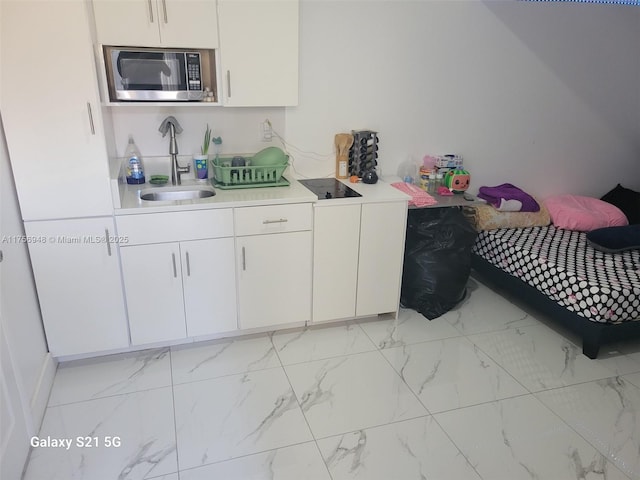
259, 52
336, 238
382, 232
157, 23
188, 23
127, 22
274, 279
77, 276
51, 111
15, 413
153, 288
209, 279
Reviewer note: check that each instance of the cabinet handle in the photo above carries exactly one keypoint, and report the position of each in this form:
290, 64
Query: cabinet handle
188, 265
93, 128
244, 260
106, 236
175, 270
150, 11
229, 83
281, 220
164, 10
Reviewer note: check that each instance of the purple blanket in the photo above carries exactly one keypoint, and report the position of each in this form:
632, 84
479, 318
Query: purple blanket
505, 196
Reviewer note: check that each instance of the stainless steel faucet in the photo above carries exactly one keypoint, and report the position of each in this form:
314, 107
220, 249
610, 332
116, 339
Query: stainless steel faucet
171, 125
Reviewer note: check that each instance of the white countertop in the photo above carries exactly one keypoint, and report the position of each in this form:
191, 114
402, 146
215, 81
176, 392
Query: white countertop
130, 203
380, 191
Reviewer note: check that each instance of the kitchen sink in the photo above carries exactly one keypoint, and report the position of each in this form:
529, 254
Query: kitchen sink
172, 195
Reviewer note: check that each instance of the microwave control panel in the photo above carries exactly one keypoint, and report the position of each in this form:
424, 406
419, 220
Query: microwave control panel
194, 78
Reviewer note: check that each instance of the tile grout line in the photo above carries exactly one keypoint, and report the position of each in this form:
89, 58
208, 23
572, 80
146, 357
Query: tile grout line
150, 389
284, 370
227, 375
402, 379
173, 403
456, 445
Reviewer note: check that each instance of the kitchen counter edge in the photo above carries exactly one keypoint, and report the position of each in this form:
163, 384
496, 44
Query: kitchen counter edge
249, 197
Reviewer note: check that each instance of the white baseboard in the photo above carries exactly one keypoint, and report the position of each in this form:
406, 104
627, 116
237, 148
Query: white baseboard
40, 397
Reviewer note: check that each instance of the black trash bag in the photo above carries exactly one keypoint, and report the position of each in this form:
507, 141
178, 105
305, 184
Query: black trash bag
437, 260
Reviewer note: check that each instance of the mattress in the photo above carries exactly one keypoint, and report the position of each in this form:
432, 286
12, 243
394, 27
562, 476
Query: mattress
601, 287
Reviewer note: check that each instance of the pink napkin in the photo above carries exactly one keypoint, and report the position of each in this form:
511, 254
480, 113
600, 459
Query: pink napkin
419, 197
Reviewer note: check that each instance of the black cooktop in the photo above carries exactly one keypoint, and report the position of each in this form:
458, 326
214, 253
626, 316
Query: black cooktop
327, 188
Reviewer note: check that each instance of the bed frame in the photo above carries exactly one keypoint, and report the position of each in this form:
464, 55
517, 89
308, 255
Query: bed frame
594, 334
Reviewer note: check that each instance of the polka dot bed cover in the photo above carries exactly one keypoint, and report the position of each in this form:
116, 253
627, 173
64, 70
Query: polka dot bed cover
601, 287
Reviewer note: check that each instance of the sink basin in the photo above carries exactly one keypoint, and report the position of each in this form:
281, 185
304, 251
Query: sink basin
172, 195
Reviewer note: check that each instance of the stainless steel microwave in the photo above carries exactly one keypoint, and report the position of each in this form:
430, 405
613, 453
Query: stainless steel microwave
159, 74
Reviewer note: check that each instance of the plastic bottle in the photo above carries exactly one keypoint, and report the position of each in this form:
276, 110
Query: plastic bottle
407, 171
133, 163
432, 183
439, 181
424, 178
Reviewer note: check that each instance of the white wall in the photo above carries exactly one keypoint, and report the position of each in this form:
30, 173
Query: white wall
542, 95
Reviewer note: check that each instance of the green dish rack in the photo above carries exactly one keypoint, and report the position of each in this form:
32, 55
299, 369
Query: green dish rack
227, 177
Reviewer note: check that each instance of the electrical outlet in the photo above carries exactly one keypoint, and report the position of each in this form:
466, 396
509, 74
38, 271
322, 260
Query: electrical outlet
266, 133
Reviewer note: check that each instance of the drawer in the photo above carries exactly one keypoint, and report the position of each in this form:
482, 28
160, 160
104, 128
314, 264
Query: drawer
175, 226
273, 219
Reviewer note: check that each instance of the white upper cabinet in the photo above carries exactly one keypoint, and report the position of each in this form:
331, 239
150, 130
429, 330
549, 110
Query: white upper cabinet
157, 23
259, 52
51, 110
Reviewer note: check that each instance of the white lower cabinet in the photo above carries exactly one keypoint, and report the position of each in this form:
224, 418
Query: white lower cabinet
209, 281
358, 254
180, 289
274, 258
153, 287
179, 274
382, 233
270, 266
77, 274
336, 241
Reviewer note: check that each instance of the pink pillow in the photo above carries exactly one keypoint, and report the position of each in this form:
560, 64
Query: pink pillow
574, 212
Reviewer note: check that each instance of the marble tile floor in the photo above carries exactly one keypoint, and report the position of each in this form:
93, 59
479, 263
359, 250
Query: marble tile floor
487, 391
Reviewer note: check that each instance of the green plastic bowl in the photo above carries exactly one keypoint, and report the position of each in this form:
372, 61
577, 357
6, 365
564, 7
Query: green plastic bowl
270, 156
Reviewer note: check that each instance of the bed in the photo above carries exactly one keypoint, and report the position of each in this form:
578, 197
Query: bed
555, 270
